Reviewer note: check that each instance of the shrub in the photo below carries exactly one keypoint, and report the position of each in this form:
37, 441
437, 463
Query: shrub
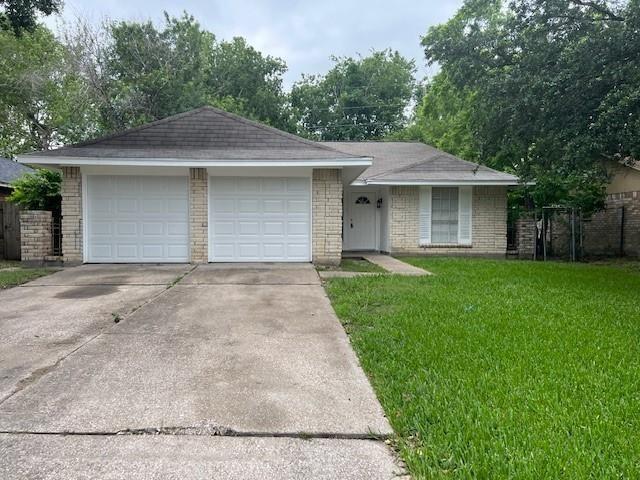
38, 191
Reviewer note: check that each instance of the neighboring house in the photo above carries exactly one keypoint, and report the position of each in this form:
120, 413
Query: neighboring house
612, 231
10, 171
616, 229
207, 185
624, 178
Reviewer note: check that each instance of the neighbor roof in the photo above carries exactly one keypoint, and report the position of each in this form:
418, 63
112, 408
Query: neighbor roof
417, 163
200, 135
11, 170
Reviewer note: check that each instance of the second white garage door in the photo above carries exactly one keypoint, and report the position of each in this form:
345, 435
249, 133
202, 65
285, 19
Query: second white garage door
259, 219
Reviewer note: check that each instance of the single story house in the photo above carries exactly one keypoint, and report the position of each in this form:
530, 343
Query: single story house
10, 170
210, 186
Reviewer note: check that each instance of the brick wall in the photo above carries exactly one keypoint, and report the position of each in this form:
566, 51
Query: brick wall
198, 215
35, 235
489, 228
71, 215
603, 232
327, 216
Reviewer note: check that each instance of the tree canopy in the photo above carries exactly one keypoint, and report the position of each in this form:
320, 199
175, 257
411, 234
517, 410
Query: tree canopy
21, 15
359, 98
555, 88
43, 102
138, 72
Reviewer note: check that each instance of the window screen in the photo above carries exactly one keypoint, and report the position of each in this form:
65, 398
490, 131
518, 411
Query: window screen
444, 219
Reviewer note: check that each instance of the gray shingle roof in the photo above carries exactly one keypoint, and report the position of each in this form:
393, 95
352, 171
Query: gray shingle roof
206, 133
10, 170
417, 162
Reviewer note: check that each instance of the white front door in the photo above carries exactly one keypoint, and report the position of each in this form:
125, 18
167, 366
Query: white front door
259, 219
360, 221
137, 219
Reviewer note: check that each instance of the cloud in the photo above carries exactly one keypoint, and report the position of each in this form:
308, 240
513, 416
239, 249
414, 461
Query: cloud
303, 33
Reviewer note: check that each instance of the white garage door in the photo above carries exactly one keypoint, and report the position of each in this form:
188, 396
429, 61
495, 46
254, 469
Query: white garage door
137, 219
259, 219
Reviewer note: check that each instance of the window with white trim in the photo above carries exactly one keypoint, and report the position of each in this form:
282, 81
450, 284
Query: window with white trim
444, 215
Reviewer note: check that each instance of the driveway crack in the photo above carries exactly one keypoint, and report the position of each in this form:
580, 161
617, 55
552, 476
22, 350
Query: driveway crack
207, 431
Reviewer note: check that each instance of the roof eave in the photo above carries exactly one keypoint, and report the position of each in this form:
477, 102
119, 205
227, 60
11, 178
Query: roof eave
178, 162
444, 183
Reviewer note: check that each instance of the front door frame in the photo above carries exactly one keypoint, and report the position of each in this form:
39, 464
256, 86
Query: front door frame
347, 241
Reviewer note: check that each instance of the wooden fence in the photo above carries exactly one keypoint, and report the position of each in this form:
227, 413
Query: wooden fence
9, 231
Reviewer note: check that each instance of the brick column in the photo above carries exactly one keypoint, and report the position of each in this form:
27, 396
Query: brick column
35, 235
71, 215
198, 215
327, 216
526, 226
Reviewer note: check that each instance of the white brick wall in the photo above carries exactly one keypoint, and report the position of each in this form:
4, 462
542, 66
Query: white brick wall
489, 223
327, 216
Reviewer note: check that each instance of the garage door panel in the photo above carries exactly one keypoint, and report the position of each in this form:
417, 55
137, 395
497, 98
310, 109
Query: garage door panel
249, 228
153, 228
248, 251
177, 205
251, 206
297, 206
247, 185
297, 250
273, 206
150, 251
273, 228
127, 251
125, 185
137, 219
298, 228
274, 185
126, 228
259, 219
297, 185
274, 250
178, 229
224, 251
102, 251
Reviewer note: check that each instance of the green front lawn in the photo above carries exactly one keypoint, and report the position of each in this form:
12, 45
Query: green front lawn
12, 274
503, 369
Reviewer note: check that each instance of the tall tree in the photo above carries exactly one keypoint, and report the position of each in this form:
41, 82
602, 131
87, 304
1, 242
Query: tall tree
443, 118
21, 15
557, 87
139, 73
359, 98
43, 103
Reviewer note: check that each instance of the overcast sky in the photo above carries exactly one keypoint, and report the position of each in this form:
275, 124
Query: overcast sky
303, 33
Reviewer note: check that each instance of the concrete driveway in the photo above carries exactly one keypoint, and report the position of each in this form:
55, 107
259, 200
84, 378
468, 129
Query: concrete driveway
128, 371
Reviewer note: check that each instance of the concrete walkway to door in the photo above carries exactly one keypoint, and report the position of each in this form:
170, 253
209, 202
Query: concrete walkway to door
233, 371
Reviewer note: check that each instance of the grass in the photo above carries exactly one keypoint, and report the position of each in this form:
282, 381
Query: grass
13, 273
356, 265
497, 369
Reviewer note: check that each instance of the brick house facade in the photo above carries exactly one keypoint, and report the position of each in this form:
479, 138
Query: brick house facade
209, 186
